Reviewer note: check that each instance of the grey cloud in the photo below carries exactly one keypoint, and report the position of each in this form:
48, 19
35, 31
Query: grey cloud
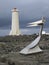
29, 9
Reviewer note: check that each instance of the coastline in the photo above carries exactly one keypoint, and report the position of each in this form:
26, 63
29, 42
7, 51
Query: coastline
24, 31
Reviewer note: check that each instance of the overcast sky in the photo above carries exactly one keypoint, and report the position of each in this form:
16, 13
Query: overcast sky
28, 9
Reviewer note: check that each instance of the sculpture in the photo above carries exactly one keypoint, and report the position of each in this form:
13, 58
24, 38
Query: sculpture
33, 47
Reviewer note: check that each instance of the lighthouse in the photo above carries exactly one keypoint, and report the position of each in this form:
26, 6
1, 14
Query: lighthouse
15, 22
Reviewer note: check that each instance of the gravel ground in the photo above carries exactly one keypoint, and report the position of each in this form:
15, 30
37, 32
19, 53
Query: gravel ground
11, 45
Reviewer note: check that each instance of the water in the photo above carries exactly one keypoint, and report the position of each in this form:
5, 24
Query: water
24, 31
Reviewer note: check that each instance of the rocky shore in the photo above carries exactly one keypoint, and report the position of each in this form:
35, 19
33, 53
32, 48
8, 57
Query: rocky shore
11, 45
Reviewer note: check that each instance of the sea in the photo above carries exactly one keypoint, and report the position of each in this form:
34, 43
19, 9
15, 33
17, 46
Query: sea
24, 31
5, 27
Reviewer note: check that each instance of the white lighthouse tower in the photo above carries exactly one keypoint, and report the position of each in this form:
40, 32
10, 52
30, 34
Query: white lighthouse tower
15, 22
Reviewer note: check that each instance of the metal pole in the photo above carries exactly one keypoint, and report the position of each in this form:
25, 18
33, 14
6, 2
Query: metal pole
41, 26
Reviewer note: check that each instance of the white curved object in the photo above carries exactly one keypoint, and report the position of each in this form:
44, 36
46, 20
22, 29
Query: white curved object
30, 51
34, 43
37, 22
32, 25
33, 47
